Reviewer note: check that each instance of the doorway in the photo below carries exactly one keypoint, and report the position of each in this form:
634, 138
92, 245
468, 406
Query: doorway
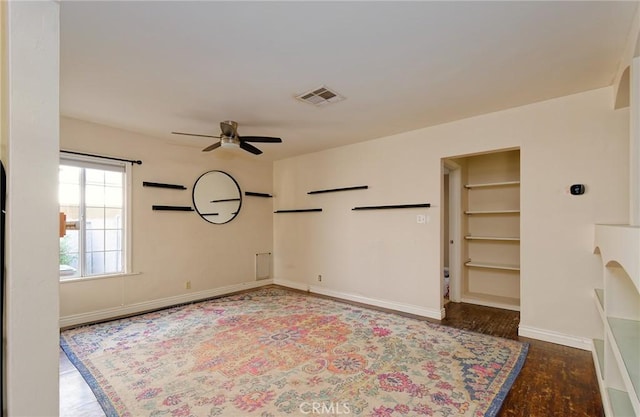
446, 240
451, 223
483, 204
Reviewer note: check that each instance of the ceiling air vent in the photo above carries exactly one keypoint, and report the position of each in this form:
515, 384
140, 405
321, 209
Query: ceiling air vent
321, 96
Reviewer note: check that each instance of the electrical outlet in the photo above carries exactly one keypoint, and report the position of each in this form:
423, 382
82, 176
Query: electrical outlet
319, 278
421, 219
187, 285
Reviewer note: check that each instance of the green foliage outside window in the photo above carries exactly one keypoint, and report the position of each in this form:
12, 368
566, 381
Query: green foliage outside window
65, 256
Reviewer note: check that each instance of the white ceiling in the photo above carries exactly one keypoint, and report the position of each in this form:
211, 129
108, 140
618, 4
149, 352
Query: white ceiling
157, 67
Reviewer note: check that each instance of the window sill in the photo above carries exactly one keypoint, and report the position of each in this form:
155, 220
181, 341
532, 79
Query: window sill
92, 278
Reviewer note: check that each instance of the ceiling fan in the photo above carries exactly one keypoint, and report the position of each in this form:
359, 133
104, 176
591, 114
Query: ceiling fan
229, 138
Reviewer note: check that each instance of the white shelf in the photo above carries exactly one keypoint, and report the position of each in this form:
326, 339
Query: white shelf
492, 212
598, 358
492, 266
618, 246
511, 239
620, 403
599, 355
493, 184
488, 300
490, 249
626, 348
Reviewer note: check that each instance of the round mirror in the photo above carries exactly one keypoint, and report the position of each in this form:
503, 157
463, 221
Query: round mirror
217, 197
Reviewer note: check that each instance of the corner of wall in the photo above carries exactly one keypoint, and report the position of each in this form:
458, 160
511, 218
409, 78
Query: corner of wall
631, 50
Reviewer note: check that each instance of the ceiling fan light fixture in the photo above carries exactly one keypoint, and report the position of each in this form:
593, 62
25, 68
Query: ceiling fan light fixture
227, 142
231, 139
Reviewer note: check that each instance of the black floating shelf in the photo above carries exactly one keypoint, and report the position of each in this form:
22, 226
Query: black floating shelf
172, 208
252, 194
395, 206
162, 185
333, 190
298, 210
224, 200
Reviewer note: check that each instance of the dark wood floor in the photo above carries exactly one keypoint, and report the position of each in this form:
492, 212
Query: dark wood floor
555, 381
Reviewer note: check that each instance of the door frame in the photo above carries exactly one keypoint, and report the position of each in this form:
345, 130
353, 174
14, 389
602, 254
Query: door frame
455, 229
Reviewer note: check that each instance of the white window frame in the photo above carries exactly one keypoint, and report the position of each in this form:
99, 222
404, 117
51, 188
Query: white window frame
94, 162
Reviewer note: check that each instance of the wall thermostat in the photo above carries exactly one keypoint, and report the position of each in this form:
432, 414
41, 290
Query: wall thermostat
577, 189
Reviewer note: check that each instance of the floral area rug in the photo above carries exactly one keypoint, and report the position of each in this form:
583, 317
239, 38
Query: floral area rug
275, 352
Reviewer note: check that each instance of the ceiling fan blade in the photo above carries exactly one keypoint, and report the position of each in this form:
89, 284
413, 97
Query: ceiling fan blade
260, 139
195, 134
211, 147
250, 148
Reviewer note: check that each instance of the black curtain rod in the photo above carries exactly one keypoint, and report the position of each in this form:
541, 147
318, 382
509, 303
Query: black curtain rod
139, 162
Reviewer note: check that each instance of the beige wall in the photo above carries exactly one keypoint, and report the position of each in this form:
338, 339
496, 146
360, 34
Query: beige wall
385, 256
170, 248
30, 97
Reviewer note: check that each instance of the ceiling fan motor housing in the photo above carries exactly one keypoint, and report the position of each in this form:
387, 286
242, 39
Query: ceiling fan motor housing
229, 128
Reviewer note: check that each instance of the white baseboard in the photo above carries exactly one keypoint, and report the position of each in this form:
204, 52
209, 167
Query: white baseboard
392, 305
291, 284
110, 313
556, 337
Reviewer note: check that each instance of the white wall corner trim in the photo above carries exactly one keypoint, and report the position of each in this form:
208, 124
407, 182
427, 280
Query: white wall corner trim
111, 313
556, 337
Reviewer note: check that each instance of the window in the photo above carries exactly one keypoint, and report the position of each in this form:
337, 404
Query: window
92, 197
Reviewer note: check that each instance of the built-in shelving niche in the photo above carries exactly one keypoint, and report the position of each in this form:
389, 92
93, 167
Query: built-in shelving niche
617, 352
491, 228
